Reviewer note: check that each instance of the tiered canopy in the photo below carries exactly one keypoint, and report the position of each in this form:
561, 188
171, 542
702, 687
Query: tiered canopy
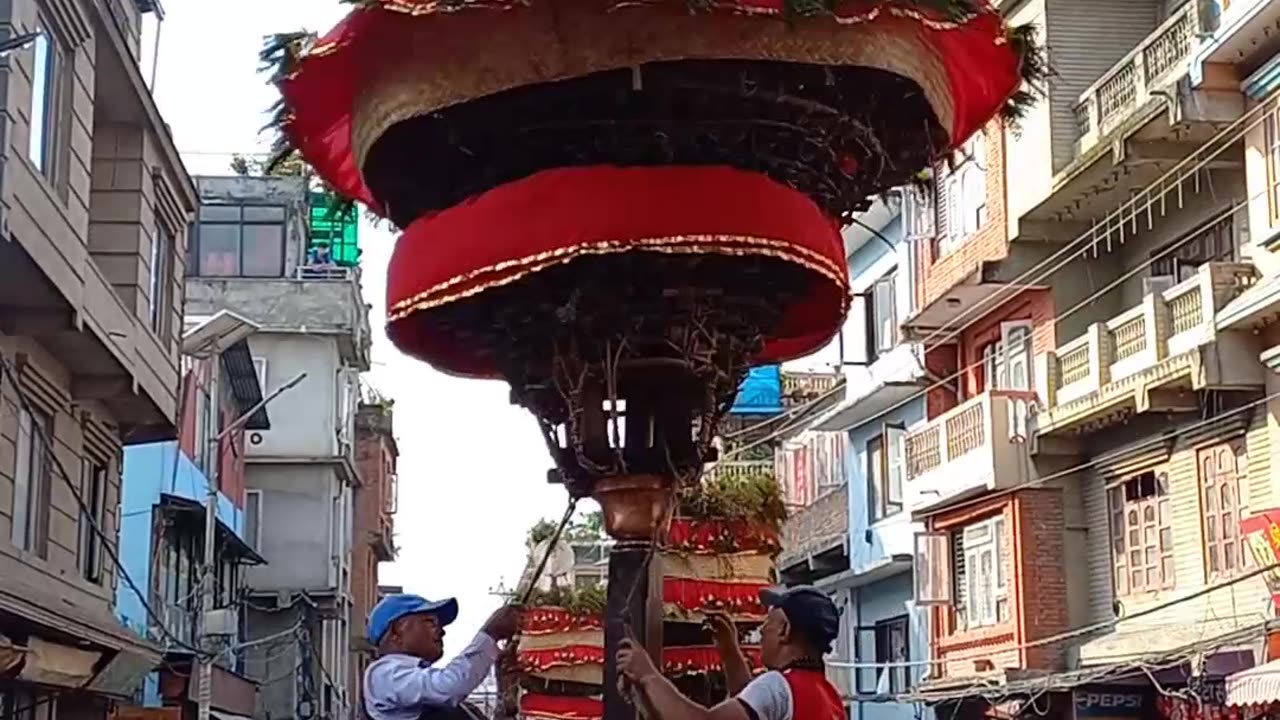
616, 203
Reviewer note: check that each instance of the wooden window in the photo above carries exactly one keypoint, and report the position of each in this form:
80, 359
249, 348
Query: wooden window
93, 488
1271, 126
253, 519
160, 306
893, 649
983, 586
882, 316
32, 476
1006, 363
50, 104
1141, 534
1222, 507
886, 462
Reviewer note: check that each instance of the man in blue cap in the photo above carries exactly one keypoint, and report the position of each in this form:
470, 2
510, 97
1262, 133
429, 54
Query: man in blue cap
408, 631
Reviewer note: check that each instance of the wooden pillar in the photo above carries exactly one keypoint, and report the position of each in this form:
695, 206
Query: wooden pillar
626, 615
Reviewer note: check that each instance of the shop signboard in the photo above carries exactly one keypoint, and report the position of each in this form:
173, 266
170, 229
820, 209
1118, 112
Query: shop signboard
1108, 702
1262, 536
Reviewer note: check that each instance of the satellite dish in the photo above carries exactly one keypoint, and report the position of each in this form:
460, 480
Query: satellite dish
559, 565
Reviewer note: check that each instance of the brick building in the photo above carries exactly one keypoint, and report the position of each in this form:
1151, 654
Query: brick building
373, 526
1095, 385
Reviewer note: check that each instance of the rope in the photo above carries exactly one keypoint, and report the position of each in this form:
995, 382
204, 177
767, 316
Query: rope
551, 546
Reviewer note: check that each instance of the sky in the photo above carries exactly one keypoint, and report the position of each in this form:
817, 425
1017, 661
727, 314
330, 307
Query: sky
472, 468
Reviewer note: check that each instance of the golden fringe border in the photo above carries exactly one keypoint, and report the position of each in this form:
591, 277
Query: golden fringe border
675, 245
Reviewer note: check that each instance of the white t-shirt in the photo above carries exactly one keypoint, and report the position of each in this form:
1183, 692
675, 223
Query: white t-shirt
769, 696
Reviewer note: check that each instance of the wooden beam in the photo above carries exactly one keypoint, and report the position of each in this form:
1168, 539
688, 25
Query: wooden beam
100, 387
36, 321
1168, 400
1051, 231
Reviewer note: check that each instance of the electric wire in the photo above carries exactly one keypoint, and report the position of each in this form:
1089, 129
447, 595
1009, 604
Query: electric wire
108, 543
1253, 117
943, 382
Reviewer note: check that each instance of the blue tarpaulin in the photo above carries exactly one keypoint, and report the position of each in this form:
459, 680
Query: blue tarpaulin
760, 392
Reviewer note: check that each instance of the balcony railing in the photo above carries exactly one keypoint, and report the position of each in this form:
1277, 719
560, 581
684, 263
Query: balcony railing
1167, 323
1155, 63
740, 470
979, 445
798, 388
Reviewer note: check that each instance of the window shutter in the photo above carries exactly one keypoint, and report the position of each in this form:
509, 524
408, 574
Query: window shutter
941, 205
260, 367
932, 574
895, 461
1015, 341
885, 325
854, 345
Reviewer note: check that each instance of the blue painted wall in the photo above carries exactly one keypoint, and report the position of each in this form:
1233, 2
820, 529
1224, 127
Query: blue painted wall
149, 471
884, 600
873, 545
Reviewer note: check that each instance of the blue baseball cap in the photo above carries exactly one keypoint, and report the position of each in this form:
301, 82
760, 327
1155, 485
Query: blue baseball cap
393, 607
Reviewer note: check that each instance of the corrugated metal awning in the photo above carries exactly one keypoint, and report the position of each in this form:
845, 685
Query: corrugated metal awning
1256, 686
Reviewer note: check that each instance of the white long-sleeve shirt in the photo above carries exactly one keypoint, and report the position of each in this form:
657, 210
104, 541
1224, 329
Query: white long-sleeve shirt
398, 687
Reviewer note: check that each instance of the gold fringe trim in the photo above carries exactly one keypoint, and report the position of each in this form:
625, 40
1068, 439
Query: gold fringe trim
426, 71
675, 246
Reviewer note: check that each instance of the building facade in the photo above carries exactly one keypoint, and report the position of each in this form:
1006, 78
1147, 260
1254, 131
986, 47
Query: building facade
162, 527
851, 533
1097, 427
95, 206
373, 529
254, 253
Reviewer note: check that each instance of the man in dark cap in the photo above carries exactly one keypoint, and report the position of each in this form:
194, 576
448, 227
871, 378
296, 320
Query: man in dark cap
801, 625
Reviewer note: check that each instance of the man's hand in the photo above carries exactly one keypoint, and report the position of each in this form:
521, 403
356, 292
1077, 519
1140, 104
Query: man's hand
723, 632
503, 624
634, 662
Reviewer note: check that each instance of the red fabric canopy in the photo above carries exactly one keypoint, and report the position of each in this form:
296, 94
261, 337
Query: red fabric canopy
572, 214
982, 70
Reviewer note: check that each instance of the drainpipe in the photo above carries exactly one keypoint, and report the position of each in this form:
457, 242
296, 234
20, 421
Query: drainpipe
856, 597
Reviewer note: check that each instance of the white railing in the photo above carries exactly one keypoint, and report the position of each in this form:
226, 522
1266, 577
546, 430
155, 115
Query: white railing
1157, 61
1165, 324
974, 444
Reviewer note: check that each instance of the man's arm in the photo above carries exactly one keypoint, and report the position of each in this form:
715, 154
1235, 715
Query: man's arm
406, 686
737, 672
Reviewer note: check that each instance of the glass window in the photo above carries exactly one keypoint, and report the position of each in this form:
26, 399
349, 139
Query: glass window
259, 213
46, 92
219, 250
1142, 538
240, 241
1222, 508
263, 253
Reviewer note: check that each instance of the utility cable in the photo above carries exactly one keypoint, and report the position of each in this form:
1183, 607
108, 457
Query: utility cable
108, 543
943, 382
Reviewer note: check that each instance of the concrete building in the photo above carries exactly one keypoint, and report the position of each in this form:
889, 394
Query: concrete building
1095, 333
373, 529
251, 254
853, 538
162, 525
94, 206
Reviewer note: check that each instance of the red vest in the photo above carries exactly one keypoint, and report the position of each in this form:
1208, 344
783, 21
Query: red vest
812, 696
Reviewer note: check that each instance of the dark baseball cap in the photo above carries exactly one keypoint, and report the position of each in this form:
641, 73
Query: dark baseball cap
809, 610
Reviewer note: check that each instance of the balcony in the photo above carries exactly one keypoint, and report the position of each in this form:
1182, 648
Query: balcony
815, 539
1155, 64
1149, 356
740, 470
976, 447
323, 300
800, 388
384, 542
